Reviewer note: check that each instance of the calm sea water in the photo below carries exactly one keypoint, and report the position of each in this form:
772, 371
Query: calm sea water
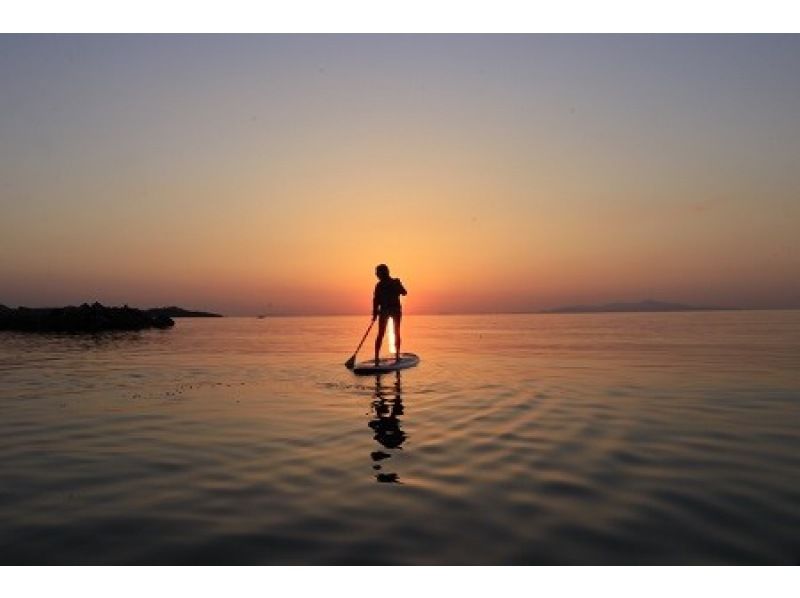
519, 439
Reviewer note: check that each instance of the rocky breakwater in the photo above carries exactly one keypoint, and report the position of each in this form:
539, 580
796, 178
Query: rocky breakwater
85, 318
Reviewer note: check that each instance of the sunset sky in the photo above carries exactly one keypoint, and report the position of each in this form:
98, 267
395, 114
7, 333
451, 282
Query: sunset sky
249, 174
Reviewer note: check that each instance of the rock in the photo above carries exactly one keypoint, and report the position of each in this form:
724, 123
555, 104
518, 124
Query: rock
85, 318
162, 321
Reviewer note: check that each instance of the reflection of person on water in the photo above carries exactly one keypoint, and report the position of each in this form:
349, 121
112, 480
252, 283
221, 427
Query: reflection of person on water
386, 424
385, 305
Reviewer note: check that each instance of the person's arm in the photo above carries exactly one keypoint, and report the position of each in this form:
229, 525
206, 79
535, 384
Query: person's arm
375, 303
400, 287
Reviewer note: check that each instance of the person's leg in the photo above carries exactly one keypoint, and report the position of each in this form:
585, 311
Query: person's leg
379, 339
396, 320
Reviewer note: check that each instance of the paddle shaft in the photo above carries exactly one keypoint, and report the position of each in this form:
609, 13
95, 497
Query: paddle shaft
363, 338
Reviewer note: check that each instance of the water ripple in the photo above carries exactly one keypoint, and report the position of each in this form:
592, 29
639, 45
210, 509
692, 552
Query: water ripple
594, 440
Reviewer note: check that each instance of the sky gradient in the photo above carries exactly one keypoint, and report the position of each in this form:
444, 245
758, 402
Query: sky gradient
248, 174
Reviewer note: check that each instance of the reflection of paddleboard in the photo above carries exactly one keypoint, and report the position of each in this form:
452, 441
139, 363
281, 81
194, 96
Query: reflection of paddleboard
386, 364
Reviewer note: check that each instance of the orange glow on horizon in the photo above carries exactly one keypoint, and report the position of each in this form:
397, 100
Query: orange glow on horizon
481, 188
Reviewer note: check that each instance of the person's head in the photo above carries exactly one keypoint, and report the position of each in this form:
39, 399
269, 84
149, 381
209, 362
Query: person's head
382, 271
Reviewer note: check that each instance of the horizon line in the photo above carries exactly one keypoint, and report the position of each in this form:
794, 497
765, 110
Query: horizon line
547, 312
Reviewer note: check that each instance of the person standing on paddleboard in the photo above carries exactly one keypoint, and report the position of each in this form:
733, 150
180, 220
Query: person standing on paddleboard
385, 305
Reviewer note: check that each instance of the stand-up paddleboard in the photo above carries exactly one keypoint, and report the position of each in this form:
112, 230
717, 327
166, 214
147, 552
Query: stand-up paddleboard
386, 364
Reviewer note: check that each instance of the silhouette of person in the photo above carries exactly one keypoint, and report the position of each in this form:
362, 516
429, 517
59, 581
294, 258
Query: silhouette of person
385, 305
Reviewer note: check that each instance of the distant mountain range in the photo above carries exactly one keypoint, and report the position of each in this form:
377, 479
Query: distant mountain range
647, 305
178, 312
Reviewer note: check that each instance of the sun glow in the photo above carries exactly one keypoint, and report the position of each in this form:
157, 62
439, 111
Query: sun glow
390, 335
500, 194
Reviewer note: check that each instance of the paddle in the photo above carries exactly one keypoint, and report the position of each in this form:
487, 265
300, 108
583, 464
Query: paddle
350, 363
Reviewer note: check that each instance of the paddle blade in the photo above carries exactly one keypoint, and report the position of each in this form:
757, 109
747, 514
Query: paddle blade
350, 363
